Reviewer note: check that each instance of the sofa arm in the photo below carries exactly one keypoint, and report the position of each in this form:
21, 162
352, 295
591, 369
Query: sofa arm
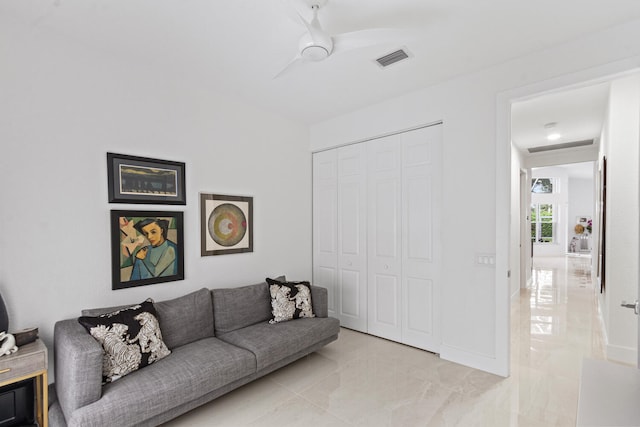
78, 366
320, 301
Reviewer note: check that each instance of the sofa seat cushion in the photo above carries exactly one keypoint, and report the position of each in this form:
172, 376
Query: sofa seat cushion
188, 373
273, 342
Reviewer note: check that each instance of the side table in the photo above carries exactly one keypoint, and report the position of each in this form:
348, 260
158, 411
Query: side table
30, 361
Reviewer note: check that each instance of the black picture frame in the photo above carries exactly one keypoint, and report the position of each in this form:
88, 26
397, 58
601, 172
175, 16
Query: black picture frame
602, 240
133, 232
226, 224
134, 179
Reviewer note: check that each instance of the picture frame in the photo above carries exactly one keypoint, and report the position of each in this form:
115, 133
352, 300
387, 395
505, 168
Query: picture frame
602, 227
147, 247
226, 224
133, 179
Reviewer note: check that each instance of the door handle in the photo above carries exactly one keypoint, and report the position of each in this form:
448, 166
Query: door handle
634, 305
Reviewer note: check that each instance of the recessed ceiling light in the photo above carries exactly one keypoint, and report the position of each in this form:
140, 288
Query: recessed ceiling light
552, 131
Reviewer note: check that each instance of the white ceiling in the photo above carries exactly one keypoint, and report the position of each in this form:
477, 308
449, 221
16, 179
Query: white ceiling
237, 46
578, 114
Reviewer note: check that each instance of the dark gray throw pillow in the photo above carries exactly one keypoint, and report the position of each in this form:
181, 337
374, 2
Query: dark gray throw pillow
289, 300
130, 337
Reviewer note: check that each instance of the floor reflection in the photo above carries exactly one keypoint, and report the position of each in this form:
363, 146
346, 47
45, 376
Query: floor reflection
559, 327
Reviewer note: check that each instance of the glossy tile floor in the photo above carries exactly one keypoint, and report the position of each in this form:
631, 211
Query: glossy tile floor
361, 380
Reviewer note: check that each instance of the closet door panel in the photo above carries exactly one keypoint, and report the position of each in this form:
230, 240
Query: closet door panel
421, 201
419, 295
352, 257
326, 278
418, 219
387, 317
326, 220
386, 227
350, 283
384, 235
349, 219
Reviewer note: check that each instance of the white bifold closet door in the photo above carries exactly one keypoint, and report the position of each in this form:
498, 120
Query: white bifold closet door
340, 257
421, 244
352, 237
404, 205
376, 235
384, 237
325, 235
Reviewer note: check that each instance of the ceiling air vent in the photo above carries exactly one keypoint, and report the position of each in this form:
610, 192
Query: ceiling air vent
560, 146
392, 58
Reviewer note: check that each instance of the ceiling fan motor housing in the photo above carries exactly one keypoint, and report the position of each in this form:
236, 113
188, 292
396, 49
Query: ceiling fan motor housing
315, 50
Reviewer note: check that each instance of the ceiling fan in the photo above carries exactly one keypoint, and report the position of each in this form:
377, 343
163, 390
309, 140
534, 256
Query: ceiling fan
317, 45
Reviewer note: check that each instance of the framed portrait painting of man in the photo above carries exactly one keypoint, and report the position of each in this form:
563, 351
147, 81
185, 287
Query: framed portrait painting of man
146, 247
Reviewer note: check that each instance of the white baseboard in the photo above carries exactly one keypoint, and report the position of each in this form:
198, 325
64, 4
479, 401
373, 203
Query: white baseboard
474, 360
627, 355
615, 353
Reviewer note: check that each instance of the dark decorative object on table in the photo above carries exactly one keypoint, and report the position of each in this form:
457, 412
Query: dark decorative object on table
25, 336
4, 318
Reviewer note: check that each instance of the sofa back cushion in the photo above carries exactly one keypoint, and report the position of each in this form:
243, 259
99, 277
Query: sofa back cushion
182, 320
186, 319
236, 308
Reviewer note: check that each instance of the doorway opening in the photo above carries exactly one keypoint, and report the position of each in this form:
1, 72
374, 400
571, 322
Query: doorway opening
547, 227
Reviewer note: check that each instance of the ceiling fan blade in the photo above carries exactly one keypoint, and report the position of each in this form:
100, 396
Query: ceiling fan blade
294, 63
371, 37
291, 10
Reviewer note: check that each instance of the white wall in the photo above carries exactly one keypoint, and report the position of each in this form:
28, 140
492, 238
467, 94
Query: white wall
62, 108
621, 140
477, 174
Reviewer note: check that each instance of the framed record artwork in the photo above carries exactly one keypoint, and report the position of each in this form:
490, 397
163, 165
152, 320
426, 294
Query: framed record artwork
226, 224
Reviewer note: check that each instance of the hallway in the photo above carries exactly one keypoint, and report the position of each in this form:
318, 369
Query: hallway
554, 326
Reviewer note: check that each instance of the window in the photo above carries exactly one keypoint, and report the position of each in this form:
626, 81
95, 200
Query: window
543, 224
542, 185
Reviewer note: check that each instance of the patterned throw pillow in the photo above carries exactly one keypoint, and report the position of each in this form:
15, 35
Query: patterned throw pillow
130, 337
289, 300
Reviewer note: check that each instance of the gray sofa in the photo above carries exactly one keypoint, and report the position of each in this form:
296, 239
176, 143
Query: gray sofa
219, 339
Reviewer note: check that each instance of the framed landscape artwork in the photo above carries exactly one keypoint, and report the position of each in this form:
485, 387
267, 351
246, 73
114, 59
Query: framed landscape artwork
147, 247
142, 180
226, 224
